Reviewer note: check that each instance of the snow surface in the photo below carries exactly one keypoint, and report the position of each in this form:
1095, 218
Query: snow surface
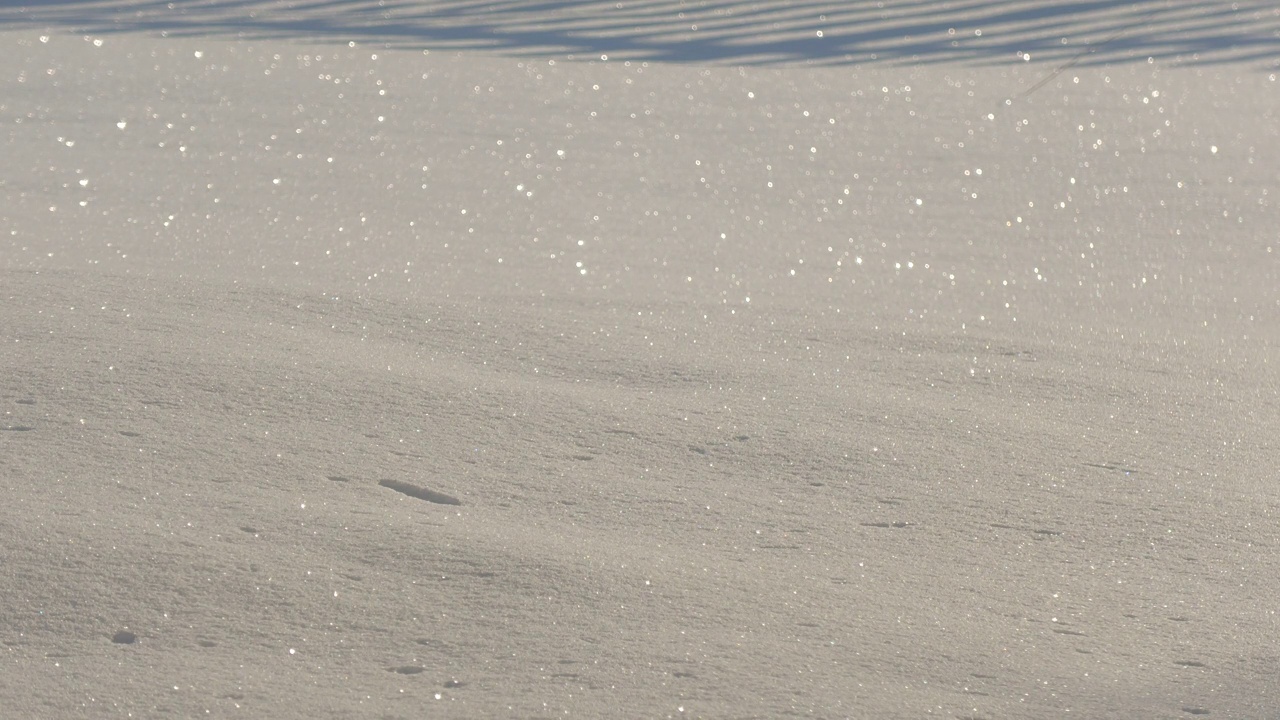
520, 359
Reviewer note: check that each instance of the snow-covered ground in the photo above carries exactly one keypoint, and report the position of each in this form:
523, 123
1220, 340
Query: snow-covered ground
639, 359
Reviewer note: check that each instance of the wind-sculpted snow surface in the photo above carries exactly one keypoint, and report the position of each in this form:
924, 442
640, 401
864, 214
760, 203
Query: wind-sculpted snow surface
348, 379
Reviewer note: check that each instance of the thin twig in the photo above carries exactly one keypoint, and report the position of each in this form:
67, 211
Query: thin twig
1089, 49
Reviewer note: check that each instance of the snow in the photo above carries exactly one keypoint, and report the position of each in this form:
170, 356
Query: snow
572, 359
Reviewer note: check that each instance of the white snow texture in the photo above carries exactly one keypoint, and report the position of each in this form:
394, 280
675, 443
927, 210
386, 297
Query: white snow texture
639, 359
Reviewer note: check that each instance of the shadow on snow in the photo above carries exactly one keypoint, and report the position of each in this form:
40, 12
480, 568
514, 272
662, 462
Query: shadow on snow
721, 32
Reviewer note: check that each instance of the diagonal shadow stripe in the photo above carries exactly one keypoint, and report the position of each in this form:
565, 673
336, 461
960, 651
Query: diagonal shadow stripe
822, 32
